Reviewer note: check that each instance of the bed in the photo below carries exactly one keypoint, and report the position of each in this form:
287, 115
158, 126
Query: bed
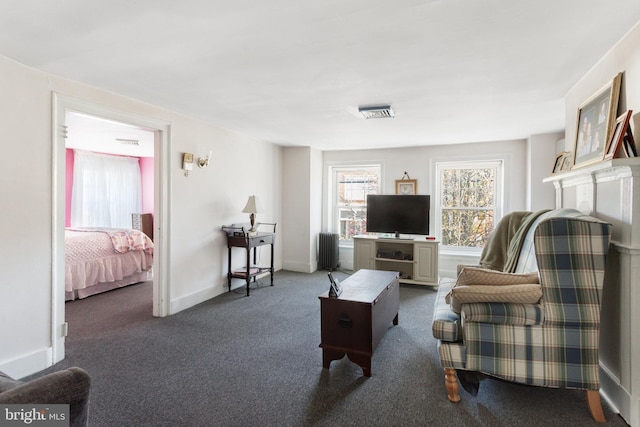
100, 259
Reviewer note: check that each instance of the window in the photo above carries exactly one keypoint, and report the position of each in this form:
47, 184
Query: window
106, 190
350, 187
469, 202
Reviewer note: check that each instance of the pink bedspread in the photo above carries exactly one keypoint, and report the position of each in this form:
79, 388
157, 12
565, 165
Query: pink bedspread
95, 256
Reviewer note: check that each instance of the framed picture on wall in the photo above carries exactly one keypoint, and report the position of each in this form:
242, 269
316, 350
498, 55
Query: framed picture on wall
406, 186
596, 120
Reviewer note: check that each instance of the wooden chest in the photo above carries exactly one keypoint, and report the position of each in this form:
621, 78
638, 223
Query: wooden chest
355, 322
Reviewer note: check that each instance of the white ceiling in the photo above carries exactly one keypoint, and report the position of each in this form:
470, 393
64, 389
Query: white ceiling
90, 133
294, 72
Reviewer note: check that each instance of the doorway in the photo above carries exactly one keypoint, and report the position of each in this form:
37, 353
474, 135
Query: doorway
160, 130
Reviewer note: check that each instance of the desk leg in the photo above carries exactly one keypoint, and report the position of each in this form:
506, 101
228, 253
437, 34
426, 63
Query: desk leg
229, 271
248, 268
271, 264
255, 257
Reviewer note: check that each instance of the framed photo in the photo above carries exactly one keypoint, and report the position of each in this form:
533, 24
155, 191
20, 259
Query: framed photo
406, 186
596, 119
630, 145
335, 290
567, 162
618, 136
559, 163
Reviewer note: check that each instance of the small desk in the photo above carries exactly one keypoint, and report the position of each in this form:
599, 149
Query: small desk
248, 242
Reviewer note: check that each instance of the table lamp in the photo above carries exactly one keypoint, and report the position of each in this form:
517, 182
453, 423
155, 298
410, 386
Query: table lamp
253, 207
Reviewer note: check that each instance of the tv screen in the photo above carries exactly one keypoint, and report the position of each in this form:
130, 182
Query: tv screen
399, 214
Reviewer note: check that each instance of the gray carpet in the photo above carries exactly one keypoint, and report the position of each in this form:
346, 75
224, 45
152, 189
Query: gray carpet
255, 361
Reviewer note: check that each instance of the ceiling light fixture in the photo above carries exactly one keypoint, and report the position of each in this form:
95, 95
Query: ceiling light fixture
377, 112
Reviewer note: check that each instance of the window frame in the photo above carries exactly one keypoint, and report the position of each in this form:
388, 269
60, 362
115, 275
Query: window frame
333, 212
499, 196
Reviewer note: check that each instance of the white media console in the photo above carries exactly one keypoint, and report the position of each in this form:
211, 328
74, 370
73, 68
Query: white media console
415, 259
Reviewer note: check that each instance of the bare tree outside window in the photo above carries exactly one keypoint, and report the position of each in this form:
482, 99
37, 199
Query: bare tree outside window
468, 197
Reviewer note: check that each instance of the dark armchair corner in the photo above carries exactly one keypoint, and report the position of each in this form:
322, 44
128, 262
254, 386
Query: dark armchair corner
68, 386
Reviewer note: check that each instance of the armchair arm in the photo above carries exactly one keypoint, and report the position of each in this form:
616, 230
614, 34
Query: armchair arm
503, 313
70, 386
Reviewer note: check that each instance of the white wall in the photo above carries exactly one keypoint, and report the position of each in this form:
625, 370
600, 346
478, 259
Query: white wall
301, 210
541, 155
419, 163
200, 204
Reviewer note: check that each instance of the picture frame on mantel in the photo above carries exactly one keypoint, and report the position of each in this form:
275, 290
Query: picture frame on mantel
560, 164
596, 120
616, 146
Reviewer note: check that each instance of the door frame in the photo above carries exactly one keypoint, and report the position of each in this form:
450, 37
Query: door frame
161, 232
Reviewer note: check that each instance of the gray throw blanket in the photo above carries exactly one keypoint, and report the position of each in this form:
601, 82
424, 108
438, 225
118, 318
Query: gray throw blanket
503, 248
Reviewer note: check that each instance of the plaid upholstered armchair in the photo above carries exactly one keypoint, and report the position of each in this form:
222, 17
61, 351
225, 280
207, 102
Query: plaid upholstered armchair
552, 342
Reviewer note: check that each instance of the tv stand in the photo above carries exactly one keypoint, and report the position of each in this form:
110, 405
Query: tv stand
415, 259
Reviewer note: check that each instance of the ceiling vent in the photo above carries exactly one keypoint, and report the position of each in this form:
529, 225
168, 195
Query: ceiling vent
128, 141
377, 112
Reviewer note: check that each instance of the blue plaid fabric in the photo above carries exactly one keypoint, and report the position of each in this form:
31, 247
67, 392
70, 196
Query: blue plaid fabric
553, 343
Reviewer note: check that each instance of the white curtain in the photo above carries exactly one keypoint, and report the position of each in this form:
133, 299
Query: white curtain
106, 190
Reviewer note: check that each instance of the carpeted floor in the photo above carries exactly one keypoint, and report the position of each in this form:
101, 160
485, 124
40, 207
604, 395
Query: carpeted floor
255, 361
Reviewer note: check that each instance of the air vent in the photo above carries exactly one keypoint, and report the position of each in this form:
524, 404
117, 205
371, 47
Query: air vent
378, 112
128, 141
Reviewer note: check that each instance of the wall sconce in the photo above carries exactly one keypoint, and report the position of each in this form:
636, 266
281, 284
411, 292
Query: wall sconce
203, 162
187, 163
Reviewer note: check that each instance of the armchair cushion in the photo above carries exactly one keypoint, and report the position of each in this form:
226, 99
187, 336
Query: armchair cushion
477, 284
529, 293
482, 276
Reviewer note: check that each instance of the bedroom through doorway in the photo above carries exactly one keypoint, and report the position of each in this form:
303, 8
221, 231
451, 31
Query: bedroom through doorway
83, 128
109, 185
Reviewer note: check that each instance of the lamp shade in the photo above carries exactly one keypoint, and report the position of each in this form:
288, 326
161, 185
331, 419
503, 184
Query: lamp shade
253, 205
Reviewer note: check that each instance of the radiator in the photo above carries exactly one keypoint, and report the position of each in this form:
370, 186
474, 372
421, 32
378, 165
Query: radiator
328, 251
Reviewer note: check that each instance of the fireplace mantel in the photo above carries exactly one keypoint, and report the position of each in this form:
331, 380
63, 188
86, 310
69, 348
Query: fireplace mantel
610, 190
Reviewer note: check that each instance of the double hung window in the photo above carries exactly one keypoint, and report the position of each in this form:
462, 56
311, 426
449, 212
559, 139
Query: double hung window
468, 203
350, 187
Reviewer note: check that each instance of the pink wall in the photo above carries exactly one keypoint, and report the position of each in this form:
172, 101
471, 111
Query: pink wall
146, 172
68, 187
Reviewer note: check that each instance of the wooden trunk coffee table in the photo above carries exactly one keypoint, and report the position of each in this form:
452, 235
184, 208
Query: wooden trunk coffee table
355, 322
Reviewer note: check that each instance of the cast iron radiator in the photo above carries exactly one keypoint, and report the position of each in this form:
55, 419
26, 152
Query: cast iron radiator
328, 251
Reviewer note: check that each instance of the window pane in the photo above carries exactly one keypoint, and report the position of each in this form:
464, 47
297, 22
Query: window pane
352, 222
466, 227
468, 187
352, 187
468, 202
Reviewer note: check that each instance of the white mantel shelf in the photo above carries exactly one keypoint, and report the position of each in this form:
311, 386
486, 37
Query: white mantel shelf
606, 170
610, 190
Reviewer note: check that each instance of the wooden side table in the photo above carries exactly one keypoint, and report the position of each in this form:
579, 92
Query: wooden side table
238, 237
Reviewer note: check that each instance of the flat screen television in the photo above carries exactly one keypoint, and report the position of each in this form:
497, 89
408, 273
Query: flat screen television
398, 214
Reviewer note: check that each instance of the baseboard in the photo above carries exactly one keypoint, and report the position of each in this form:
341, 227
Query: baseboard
615, 394
194, 298
299, 267
28, 364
